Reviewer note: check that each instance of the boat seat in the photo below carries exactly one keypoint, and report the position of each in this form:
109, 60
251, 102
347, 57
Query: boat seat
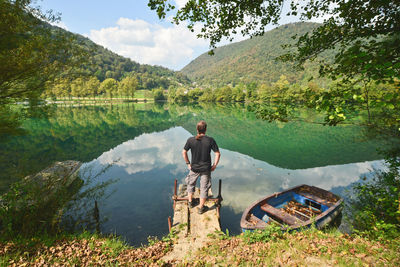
279, 214
260, 224
316, 199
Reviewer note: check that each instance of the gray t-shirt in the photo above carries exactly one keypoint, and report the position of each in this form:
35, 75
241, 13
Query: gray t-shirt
201, 149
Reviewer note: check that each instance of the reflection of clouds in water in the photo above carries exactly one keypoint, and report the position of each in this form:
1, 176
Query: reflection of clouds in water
244, 178
149, 151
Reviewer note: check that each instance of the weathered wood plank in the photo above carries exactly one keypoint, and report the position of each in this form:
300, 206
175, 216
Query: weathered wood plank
316, 199
279, 214
192, 229
257, 222
203, 224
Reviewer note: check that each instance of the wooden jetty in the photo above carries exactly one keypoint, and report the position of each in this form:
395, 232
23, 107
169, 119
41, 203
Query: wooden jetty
191, 229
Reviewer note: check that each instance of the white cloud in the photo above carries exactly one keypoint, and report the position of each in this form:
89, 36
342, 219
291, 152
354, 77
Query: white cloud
148, 151
180, 3
60, 24
147, 43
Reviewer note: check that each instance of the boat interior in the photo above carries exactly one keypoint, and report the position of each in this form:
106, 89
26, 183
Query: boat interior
291, 207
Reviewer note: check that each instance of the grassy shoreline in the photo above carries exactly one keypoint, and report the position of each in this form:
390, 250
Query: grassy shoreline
307, 248
85, 249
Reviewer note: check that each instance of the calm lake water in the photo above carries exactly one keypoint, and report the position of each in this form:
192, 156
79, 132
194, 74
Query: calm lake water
136, 148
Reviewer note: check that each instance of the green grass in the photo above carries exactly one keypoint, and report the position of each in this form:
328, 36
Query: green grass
266, 248
144, 94
309, 247
82, 249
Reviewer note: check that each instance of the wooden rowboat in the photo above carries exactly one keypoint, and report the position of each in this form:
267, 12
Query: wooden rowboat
295, 208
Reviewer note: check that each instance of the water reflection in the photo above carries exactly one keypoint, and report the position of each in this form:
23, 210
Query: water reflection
149, 151
85, 133
144, 143
81, 212
147, 166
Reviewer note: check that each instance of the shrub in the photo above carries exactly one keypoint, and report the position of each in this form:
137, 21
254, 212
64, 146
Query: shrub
158, 95
374, 204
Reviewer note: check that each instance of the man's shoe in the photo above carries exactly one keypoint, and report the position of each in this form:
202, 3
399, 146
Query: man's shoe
191, 204
202, 210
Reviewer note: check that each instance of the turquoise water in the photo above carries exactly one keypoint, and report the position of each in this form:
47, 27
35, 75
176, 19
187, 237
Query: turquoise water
138, 148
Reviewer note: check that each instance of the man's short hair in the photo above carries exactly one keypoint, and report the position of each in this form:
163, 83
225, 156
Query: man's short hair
201, 127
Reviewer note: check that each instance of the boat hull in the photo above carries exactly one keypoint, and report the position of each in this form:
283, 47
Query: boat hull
296, 208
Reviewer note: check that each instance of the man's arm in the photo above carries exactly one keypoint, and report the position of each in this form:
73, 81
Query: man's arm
217, 156
185, 157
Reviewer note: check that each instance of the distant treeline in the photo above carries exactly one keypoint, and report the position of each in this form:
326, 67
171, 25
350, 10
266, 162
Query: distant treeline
250, 92
91, 87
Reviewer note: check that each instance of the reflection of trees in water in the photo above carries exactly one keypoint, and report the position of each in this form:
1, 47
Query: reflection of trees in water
12, 118
84, 133
10, 123
78, 133
83, 211
292, 145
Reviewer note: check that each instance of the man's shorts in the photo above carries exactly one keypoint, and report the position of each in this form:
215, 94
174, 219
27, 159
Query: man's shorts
205, 182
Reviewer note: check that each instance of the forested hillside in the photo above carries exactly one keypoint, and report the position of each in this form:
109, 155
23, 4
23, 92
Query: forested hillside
252, 60
104, 64
102, 72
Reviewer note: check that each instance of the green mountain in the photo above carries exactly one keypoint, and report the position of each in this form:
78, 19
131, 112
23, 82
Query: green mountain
252, 60
104, 64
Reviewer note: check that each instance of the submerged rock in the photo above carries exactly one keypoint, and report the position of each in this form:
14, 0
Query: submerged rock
60, 174
36, 203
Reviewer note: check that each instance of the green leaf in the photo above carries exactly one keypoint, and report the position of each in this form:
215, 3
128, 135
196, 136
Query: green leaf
341, 115
390, 106
388, 97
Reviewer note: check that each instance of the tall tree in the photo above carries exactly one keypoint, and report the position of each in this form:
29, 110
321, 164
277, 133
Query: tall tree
92, 85
31, 51
109, 86
62, 87
128, 86
78, 87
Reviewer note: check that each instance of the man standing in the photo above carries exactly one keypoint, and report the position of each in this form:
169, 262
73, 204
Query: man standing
200, 147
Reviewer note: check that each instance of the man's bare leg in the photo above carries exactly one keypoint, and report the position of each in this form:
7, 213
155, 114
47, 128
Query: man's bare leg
190, 197
202, 202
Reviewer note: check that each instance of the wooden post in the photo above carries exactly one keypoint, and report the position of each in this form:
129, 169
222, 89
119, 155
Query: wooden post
219, 188
169, 223
97, 216
175, 192
219, 197
175, 187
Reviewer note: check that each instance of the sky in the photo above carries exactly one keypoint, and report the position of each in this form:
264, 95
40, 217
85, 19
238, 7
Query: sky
130, 29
